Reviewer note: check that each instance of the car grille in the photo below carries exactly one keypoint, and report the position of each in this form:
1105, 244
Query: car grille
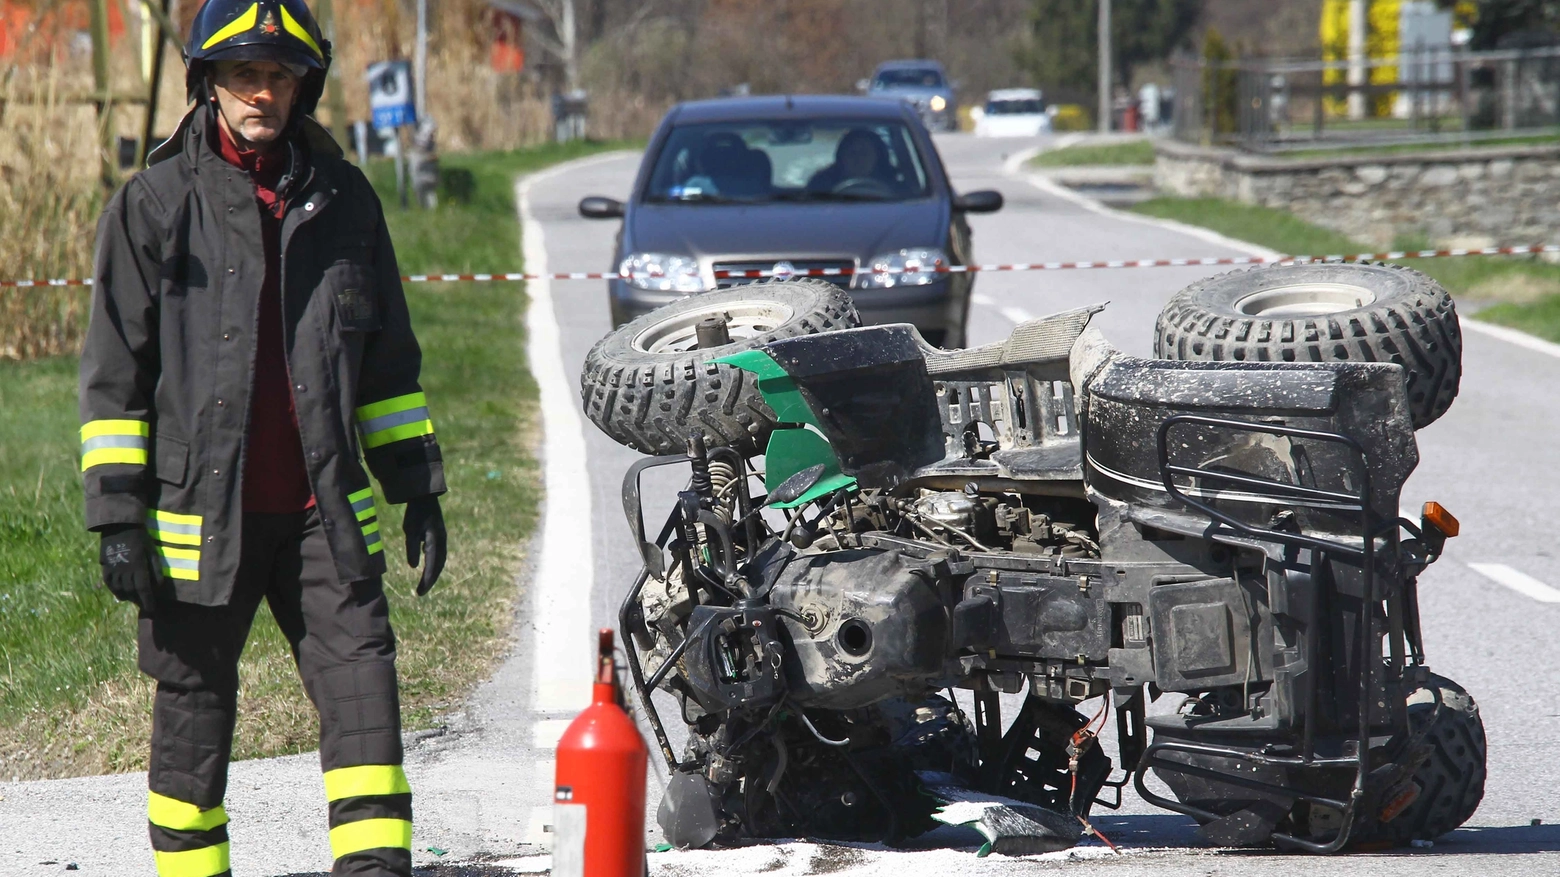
800, 266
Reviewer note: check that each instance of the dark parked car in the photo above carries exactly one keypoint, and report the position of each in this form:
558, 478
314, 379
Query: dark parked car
788, 184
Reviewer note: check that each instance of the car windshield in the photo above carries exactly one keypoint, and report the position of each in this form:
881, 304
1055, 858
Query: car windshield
757, 162
1026, 107
923, 77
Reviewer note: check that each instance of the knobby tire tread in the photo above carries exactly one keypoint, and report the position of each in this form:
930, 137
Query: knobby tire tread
652, 405
1451, 780
1417, 330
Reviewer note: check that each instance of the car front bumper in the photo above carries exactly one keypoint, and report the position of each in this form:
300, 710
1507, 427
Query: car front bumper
928, 307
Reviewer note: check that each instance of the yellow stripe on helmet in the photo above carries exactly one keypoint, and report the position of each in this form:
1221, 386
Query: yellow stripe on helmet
235, 27
292, 26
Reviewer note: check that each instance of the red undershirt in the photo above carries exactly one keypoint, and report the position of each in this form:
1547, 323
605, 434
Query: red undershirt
275, 480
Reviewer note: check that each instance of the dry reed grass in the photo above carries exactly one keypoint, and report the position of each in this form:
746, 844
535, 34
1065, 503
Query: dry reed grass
476, 107
49, 202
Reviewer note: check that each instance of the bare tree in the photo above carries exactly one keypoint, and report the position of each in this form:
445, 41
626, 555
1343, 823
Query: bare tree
562, 43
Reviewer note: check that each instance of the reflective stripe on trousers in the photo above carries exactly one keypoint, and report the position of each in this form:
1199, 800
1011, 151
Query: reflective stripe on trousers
370, 810
186, 840
341, 637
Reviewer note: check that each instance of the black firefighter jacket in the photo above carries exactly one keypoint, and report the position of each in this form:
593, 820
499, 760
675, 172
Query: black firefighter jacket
167, 367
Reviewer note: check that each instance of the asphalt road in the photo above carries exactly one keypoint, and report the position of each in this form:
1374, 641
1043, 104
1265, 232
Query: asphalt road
484, 787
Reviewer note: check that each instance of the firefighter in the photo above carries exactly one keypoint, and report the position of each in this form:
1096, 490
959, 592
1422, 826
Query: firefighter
249, 350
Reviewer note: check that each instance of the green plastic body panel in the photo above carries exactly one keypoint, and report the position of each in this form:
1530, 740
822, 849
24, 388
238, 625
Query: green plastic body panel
791, 449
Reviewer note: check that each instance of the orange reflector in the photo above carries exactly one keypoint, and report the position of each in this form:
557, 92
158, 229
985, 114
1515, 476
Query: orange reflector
1399, 803
1440, 518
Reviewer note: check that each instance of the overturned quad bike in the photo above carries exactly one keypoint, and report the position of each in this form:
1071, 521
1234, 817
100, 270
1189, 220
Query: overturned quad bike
1049, 519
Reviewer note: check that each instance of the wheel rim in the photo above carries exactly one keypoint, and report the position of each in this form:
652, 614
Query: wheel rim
1305, 300
678, 333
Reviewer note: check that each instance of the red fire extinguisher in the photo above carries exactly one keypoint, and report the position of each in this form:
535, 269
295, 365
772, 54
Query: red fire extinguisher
599, 795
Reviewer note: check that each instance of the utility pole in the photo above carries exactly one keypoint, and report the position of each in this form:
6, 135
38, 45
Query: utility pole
154, 76
571, 54
1104, 51
107, 145
420, 63
919, 49
334, 99
1358, 22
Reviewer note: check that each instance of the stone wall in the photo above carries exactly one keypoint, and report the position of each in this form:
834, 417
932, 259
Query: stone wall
1467, 197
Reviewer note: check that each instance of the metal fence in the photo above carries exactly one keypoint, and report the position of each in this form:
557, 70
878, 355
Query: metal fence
1426, 95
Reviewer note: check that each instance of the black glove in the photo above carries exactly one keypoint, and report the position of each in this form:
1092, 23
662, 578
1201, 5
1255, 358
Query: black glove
424, 529
127, 558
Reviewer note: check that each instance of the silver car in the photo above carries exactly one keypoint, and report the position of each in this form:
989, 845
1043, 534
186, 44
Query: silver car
923, 84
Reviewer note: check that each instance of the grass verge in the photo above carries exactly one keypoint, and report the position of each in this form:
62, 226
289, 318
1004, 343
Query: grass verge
1131, 152
1518, 291
71, 700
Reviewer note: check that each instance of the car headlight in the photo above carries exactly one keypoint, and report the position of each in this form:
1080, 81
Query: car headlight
915, 267
938, 104
662, 272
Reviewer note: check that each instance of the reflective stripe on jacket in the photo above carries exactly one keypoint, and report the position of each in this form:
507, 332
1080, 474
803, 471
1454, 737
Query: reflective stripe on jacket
167, 367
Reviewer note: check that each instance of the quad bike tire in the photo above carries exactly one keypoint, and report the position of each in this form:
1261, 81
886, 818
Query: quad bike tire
1451, 781
648, 384
1333, 312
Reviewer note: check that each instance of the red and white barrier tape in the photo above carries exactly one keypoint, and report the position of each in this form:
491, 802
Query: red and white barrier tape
1392, 256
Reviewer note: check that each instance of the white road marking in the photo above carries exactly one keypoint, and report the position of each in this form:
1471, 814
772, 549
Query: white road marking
546, 777
1014, 167
565, 566
1051, 187
546, 732
1511, 336
538, 830
1520, 582
526, 864
1014, 164
1015, 314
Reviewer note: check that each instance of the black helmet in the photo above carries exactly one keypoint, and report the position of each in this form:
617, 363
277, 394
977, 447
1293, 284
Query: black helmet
283, 31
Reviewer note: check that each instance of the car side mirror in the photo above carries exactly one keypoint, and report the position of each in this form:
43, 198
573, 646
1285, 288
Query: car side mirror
984, 201
863, 84
597, 207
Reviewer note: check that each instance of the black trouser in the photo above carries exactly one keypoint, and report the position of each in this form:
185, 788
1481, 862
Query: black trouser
341, 639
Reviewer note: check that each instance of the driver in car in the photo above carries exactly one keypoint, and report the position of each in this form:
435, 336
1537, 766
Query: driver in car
859, 156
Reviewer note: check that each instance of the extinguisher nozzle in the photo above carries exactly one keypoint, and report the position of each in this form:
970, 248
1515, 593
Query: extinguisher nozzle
605, 667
